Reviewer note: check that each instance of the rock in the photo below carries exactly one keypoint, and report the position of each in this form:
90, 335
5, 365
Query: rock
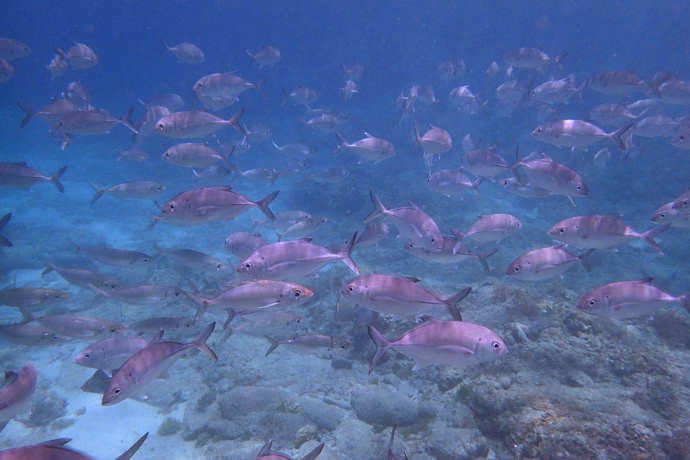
242, 400
446, 443
326, 416
169, 427
384, 405
45, 412
339, 363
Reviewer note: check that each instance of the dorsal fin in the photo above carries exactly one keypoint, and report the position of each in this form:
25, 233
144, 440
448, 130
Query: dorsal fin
266, 449
412, 278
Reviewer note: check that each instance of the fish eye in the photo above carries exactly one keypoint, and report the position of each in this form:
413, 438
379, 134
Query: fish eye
682, 138
172, 206
578, 187
495, 345
297, 293
247, 266
562, 230
160, 127
117, 391
113, 329
592, 302
350, 288
516, 268
662, 215
87, 355
177, 293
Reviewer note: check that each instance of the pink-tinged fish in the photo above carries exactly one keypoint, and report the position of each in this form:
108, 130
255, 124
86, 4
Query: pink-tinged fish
309, 343
293, 259
452, 182
543, 172
578, 134
676, 212
532, 58
137, 189
412, 223
19, 175
267, 454
453, 343
76, 326
491, 228
80, 56
601, 232
453, 253
242, 244
83, 278
16, 393
55, 450
28, 334
369, 148
51, 113
112, 352
11, 49
629, 299
185, 52
195, 123
211, 204
192, 155
30, 297
266, 56
372, 234
398, 295
486, 163
434, 142
149, 363
545, 263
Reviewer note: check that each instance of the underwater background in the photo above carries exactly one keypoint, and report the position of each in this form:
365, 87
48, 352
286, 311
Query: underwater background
572, 385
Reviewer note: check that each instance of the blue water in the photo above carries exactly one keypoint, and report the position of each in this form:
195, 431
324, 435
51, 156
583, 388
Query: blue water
304, 396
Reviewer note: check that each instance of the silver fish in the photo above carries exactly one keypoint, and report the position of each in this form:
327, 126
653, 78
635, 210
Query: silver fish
435, 141
491, 228
452, 182
541, 171
242, 244
112, 352
147, 364
253, 296
80, 56
145, 294
453, 252
185, 52
134, 154
465, 101
310, 342
77, 95
349, 90
6, 71
303, 228
531, 58
266, 56
487, 163
523, 188
51, 113
656, 126
90, 122
115, 257
210, 204
675, 92
16, 394
156, 324
412, 223
191, 259
172, 101
578, 134
326, 122
19, 175
57, 66
676, 212
293, 259
601, 232
31, 297
28, 334
11, 49
76, 326
617, 83
613, 115
83, 278
369, 148
453, 343
195, 123
398, 295
628, 299
328, 175
220, 90
296, 149
151, 116
372, 234
192, 155
545, 263
556, 91
137, 189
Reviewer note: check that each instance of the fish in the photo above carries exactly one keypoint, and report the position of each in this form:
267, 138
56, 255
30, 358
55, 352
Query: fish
145, 294
185, 52
90, 122
602, 158
15, 395
112, 352
369, 148
556, 91
82, 277
261, 323
138, 189
210, 204
512, 92
434, 142
303, 228
263, 175
80, 56
293, 259
153, 113
51, 113
257, 132
326, 122
134, 154
674, 212
682, 139
629, 299
349, 90
543, 172
328, 175
353, 71
242, 244
195, 123
284, 219
682, 203
578, 134
156, 324
372, 234
77, 95
310, 342
55, 450
656, 126
267, 454
396, 295
545, 263
486, 163
297, 149
4, 242
191, 259
172, 101
454, 343
31, 297
490, 228
613, 115
617, 83
213, 174
453, 253
300, 96
601, 232
452, 182
75, 326
266, 56
448, 70
6, 71
114, 256
192, 155
532, 58
11, 49
57, 66
19, 175
523, 188
465, 101
220, 90
149, 363
675, 92
412, 223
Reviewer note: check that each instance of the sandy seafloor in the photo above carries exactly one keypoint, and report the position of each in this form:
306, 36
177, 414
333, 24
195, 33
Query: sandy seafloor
572, 385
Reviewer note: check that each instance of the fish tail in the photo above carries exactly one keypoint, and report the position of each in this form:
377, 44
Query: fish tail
516, 165
259, 87
379, 208
203, 306
617, 136
382, 344
650, 234
264, 202
29, 114
27, 317
314, 453
452, 303
200, 342
485, 255
4, 242
6, 218
584, 261
48, 269
226, 327
557, 60
55, 179
166, 48
475, 185
276, 146
274, 344
125, 121
685, 300
342, 145
98, 193
133, 450
346, 254
235, 118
